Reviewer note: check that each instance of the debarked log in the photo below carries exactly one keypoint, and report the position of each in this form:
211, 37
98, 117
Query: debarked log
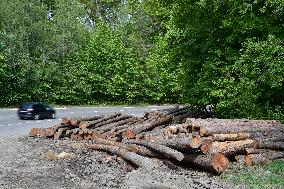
215, 163
132, 157
232, 147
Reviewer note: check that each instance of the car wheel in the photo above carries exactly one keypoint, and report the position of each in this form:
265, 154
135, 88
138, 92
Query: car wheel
36, 117
53, 116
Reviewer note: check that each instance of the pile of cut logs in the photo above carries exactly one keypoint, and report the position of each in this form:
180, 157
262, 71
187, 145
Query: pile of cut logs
181, 135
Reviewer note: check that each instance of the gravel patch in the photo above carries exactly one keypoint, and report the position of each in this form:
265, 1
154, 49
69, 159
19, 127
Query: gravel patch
32, 163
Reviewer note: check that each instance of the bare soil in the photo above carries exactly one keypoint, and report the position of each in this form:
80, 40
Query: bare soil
29, 163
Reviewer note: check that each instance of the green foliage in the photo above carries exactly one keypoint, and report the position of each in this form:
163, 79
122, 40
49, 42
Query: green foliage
228, 53
259, 176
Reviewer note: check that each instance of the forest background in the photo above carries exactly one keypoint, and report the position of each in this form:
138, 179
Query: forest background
78, 52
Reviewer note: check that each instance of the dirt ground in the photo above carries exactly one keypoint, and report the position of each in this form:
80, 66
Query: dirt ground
31, 163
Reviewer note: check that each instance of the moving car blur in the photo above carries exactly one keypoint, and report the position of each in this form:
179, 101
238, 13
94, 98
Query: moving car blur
36, 110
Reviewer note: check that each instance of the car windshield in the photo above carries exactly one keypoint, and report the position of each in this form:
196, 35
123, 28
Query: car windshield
26, 106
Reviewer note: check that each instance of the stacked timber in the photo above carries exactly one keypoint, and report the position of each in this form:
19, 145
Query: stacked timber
181, 135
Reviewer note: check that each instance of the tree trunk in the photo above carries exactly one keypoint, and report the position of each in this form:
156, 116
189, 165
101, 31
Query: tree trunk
215, 163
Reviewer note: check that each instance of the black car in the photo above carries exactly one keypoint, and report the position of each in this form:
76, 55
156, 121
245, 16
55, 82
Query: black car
35, 110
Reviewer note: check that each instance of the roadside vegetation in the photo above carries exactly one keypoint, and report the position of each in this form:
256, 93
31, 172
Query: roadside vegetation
226, 53
260, 176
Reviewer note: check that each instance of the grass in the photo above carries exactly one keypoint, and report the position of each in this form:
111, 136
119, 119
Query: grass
260, 176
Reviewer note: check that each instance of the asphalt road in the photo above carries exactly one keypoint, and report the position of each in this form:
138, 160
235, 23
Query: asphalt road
12, 126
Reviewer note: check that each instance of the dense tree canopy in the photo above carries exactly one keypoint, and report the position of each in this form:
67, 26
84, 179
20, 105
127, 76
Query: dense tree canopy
227, 53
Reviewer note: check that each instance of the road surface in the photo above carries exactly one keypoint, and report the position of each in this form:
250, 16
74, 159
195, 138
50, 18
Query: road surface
12, 126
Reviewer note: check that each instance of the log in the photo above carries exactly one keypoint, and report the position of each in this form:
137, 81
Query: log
34, 132
65, 121
86, 124
270, 145
116, 126
230, 137
141, 150
60, 133
145, 127
255, 151
177, 143
76, 121
231, 147
217, 129
113, 120
206, 145
241, 159
132, 157
209, 126
263, 158
159, 148
215, 163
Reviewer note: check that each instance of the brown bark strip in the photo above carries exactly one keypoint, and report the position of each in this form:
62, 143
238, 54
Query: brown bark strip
216, 163
86, 124
159, 148
132, 157
230, 137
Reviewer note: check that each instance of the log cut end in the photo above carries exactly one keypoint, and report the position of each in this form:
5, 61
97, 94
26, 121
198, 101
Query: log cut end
206, 145
83, 125
34, 132
129, 134
195, 141
220, 162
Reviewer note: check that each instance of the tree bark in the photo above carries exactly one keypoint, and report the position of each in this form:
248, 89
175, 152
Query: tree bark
132, 157
160, 148
131, 133
263, 158
86, 124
